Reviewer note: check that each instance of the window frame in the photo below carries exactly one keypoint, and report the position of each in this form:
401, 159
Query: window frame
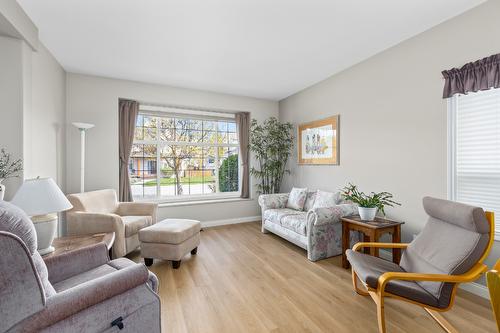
160, 144
452, 104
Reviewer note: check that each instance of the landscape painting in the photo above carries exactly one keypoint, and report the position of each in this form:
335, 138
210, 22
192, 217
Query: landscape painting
318, 141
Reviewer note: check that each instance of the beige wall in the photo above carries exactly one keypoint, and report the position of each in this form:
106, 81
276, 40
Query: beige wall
11, 97
393, 120
48, 113
95, 100
32, 91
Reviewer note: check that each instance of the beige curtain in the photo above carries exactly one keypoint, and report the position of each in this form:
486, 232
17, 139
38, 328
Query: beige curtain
127, 115
243, 124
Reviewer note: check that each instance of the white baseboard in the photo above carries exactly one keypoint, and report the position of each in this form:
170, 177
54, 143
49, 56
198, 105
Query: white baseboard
472, 287
207, 224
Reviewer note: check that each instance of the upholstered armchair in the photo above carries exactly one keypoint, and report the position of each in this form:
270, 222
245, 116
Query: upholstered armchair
78, 291
450, 250
99, 211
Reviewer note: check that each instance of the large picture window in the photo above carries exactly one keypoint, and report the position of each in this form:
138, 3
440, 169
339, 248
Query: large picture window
474, 159
177, 156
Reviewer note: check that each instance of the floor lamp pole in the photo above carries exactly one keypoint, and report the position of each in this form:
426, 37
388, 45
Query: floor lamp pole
82, 160
83, 127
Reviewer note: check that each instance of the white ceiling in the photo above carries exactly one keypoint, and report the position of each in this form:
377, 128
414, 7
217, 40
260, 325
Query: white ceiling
261, 48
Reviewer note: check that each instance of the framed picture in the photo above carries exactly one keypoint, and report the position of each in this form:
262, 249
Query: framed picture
318, 141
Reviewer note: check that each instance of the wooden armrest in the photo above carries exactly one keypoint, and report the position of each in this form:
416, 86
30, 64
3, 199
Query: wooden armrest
474, 273
360, 245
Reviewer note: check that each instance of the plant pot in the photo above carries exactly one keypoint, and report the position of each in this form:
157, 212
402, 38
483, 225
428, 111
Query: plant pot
367, 214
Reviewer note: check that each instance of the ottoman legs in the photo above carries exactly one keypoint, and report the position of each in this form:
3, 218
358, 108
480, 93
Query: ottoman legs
194, 251
176, 264
148, 261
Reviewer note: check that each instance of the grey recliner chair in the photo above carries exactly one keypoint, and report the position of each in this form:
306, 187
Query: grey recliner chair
79, 291
450, 250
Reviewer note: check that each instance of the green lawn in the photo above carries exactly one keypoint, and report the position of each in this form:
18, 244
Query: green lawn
184, 180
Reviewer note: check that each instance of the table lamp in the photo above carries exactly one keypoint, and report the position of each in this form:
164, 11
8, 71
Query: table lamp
42, 199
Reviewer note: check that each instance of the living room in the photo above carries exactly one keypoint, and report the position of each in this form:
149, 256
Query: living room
200, 166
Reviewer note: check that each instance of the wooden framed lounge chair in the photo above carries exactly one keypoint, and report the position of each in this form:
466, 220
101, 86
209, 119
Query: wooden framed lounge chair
450, 250
493, 281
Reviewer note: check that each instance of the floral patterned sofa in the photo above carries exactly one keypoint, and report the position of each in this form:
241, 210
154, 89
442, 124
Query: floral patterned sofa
317, 230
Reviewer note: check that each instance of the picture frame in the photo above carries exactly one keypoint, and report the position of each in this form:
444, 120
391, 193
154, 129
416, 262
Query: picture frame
318, 142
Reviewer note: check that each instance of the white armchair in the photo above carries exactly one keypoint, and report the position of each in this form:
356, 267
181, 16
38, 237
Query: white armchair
100, 211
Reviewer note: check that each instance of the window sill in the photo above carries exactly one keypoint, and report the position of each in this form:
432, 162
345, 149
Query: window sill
192, 202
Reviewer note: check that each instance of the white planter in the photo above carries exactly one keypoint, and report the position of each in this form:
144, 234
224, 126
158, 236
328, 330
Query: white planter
367, 214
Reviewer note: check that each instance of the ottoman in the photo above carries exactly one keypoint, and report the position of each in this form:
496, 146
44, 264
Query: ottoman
170, 239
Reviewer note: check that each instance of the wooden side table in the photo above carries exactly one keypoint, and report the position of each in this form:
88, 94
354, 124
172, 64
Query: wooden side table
372, 230
70, 243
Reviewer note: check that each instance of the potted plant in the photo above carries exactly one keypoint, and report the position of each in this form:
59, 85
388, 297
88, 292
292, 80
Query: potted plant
8, 169
368, 204
271, 143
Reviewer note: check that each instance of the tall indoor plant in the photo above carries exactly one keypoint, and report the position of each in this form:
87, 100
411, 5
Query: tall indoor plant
271, 142
9, 168
369, 204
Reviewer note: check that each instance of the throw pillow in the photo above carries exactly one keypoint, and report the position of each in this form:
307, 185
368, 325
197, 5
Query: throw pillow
297, 198
326, 199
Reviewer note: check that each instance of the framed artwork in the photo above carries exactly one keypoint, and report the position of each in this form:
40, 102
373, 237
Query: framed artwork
318, 141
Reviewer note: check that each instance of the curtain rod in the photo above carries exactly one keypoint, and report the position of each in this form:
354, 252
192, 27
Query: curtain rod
164, 107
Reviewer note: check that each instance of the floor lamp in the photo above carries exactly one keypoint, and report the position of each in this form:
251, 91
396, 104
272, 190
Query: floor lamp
83, 127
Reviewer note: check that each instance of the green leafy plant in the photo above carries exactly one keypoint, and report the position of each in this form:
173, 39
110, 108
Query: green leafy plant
228, 174
373, 200
9, 168
271, 143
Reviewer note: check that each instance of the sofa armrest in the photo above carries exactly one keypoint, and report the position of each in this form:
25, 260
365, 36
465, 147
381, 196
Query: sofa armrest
71, 263
84, 223
333, 214
76, 299
273, 201
138, 209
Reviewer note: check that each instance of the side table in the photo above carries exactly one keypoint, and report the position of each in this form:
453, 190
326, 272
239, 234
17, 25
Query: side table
70, 243
372, 230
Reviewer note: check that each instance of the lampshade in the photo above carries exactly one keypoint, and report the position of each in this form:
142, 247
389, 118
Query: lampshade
41, 196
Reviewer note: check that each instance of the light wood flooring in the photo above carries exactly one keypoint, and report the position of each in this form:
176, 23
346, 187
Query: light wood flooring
244, 281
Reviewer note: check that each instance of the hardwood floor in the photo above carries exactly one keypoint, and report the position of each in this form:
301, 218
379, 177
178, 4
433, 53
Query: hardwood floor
244, 281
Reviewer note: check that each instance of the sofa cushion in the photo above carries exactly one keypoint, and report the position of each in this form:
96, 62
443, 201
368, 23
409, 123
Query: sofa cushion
296, 223
311, 196
326, 199
297, 198
369, 268
275, 215
135, 223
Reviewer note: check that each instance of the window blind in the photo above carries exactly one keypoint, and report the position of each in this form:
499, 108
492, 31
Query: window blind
476, 147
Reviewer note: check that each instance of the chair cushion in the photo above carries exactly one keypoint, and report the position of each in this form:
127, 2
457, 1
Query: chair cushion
135, 223
297, 198
276, 215
452, 241
369, 269
295, 222
170, 231
102, 201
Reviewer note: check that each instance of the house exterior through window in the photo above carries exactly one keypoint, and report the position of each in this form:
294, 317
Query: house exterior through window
178, 156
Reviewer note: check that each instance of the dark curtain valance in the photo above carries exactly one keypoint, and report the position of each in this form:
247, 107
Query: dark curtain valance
474, 76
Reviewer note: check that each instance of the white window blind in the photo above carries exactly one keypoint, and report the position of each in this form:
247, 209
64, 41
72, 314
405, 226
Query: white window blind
475, 151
